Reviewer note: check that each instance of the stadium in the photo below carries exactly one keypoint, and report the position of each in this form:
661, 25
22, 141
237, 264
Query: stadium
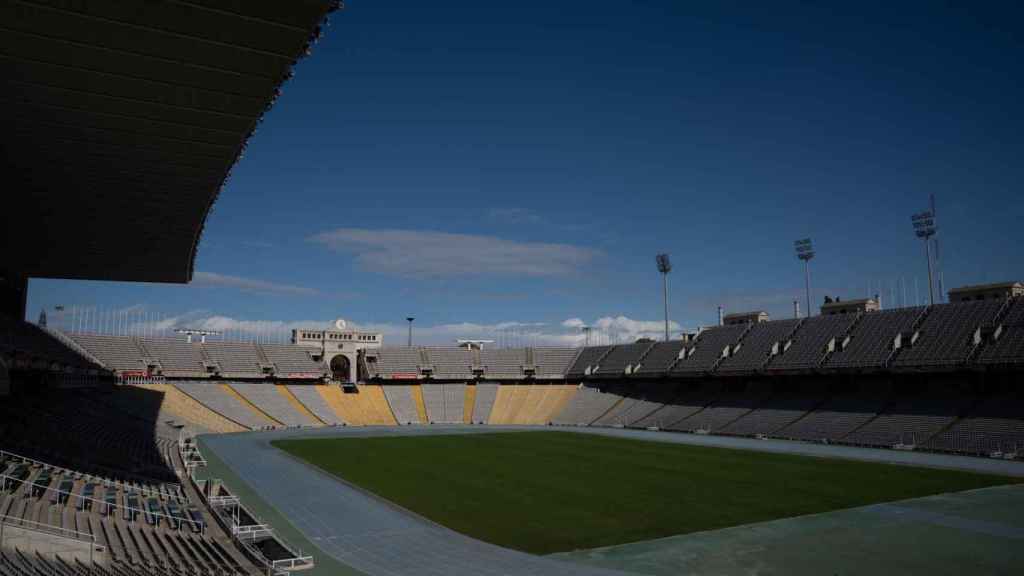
838, 441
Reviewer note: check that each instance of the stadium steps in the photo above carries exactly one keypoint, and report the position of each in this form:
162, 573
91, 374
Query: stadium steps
841, 338
189, 409
564, 397
882, 410
608, 411
528, 412
375, 405
502, 403
996, 322
550, 396
230, 391
467, 404
913, 328
297, 405
421, 405
821, 402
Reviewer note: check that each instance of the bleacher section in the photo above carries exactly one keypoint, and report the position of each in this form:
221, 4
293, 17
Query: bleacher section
290, 361
712, 345
269, 402
809, 345
235, 359
660, 358
762, 341
484, 402
587, 361
994, 427
552, 363
870, 343
450, 363
948, 334
503, 363
177, 358
586, 406
402, 404
622, 358
311, 398
1008, 335
393, 363
29, 346
116, 352
214, 396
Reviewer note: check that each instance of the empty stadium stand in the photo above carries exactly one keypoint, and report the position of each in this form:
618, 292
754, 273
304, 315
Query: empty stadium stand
661, 357
1006, 337
871, 342
400, 398
311, 398
552, 363
587, 361
621, 359
763, 341
809, 345
711, 347
486, 392
450, 363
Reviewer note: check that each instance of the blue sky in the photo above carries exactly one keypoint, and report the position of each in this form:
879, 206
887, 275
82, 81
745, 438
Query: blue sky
479, 163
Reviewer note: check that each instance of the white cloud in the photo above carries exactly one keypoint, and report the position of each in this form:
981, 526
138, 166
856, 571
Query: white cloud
251, 284
425, 254
604, 330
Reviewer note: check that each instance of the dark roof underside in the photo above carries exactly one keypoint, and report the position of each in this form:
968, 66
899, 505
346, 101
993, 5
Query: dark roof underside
122, 120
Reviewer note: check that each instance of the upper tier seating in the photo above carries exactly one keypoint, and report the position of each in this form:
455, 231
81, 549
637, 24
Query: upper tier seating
871, 340
661, 357
177, 357
553, 362
289, 359
391, 362
116, 352
712, 345
451, 363
1009, 347
756, 348
622, 357
503, 362
946, 337
809, 344
586, 360
235, 359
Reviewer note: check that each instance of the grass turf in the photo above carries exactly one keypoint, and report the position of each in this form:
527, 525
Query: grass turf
545, 492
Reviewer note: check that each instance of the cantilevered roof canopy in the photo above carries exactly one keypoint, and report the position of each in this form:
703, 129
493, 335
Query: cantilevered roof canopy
122, 119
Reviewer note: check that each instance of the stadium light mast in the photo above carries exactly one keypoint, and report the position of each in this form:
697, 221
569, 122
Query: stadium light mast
924, 228
409, 319
664, 266
805, 251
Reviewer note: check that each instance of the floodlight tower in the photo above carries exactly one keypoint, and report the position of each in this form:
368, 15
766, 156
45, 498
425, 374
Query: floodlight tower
924, 228
409, 319
664, 266
805, 251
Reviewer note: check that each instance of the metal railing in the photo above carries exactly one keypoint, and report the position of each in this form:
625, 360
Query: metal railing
50, 530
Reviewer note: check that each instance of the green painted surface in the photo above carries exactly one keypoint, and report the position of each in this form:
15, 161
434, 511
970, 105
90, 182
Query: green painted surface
545, 492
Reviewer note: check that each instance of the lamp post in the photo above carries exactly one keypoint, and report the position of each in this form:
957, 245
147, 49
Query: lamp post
664, 266
409, 319
805, 251
924, 228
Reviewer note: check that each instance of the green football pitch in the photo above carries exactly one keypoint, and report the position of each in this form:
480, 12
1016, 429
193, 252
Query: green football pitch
545, 492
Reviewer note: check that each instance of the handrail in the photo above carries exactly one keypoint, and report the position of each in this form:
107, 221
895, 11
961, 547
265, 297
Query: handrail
120, 506
100, 479
50, 529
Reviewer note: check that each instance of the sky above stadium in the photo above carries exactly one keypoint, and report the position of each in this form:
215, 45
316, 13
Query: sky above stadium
511, 170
